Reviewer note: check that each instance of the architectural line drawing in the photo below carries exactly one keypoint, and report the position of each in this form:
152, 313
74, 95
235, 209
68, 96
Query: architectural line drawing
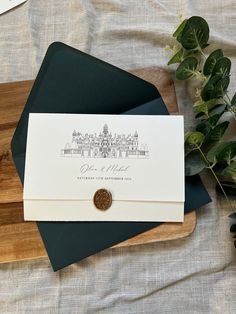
105, 145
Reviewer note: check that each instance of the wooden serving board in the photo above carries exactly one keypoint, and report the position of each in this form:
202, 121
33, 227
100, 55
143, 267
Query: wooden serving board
21, 240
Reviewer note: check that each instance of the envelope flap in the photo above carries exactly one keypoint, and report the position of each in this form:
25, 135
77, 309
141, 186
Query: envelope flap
70, 81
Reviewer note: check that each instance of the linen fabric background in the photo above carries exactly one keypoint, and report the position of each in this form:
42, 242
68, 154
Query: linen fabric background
192, 275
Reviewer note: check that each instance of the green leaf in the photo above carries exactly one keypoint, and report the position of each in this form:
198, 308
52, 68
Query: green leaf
204, 106
179, 30
209, 87
195, 33
206, 126
230, 171
186, 68
221, 87
203, 127
228, 153
217, 132
194, 163
233, 101
178, 57
211, 61
222, 152
213, 152
222, 67
213, 119
194, 138
201, 106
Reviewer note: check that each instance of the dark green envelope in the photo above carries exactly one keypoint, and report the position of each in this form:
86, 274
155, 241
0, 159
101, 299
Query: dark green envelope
70, 81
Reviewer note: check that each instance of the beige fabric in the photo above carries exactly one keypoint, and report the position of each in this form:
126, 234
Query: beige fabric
193, 275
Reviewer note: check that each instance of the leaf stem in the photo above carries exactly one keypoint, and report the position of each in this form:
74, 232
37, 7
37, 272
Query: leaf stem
202, 53
215, 176
199, 76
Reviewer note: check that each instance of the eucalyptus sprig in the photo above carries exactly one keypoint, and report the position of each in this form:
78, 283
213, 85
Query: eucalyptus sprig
205, 147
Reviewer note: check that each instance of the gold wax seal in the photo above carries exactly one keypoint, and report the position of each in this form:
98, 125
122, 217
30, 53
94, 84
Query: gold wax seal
102, 199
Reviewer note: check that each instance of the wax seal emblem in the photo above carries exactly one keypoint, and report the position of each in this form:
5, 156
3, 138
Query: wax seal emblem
102, 199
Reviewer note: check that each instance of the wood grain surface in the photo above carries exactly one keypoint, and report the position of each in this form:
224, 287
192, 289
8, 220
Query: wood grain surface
21, 240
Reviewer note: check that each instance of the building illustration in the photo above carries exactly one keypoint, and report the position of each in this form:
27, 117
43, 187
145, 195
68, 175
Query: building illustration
105, 145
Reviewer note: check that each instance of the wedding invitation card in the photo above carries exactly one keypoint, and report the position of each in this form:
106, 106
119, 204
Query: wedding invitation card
104, 168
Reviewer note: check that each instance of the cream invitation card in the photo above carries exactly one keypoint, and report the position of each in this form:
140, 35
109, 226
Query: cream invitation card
104, 168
